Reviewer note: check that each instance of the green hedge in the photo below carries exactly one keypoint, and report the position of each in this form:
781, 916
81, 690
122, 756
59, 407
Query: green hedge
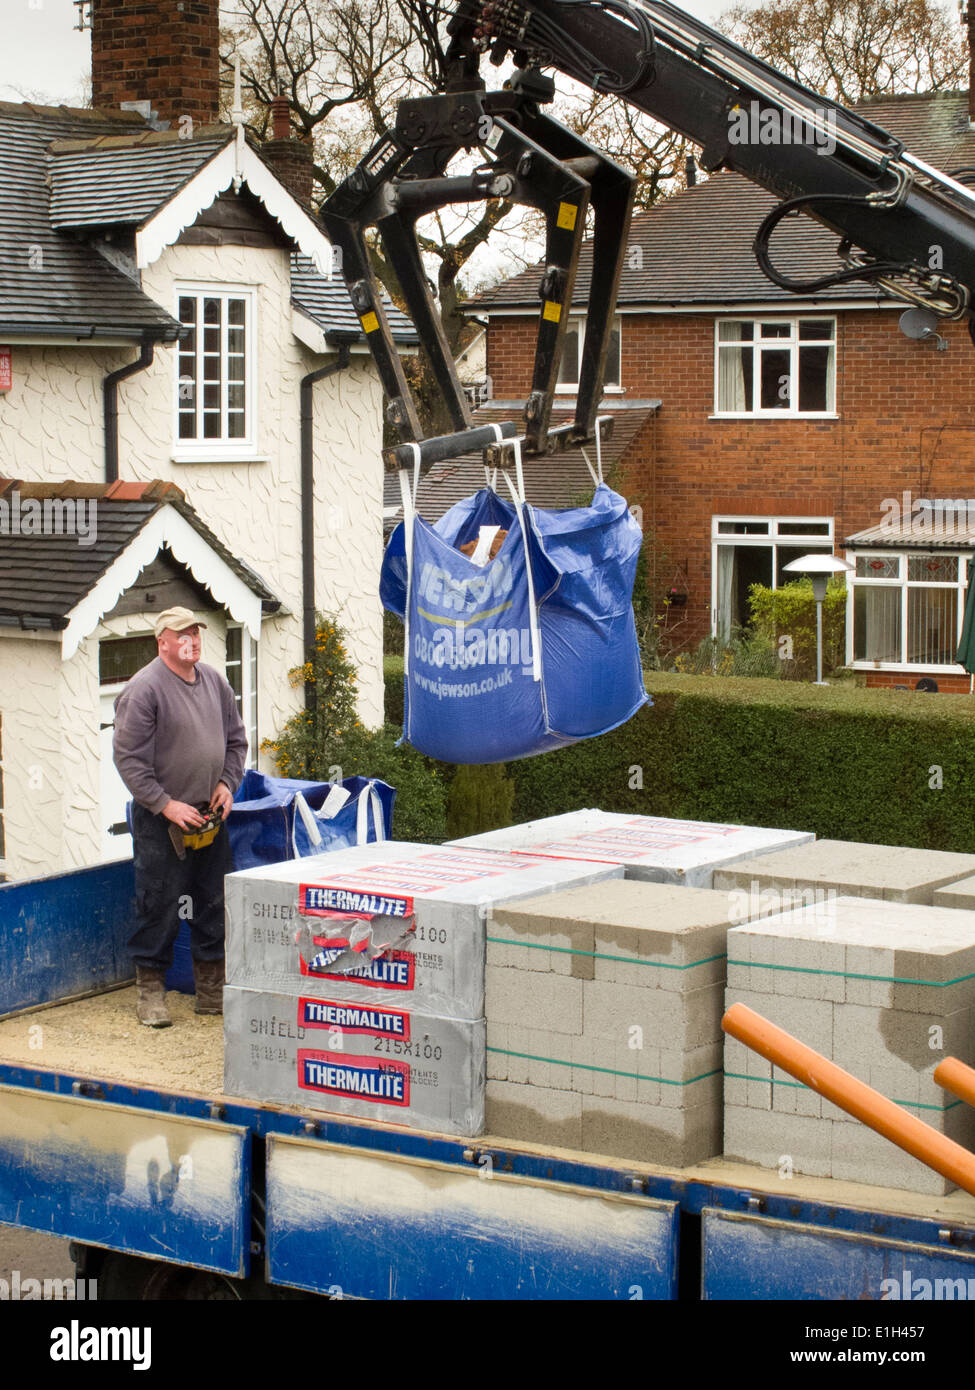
846, 763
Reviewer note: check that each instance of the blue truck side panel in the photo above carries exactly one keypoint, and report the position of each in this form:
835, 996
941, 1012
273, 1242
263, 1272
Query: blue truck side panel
65, 935
750, 1257
163, 1186
371, 1226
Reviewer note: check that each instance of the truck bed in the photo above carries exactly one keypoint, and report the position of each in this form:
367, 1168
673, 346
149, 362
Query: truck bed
100, 1039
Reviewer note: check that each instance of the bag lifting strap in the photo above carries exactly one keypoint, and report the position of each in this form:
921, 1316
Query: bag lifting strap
521, 507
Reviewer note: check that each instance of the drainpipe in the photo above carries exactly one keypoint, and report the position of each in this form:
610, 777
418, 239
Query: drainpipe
308, 502
110, 406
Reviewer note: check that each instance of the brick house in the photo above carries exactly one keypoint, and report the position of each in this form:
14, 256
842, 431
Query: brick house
169, 329
786, 425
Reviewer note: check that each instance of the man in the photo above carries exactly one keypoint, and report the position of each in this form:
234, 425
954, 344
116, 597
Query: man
180, 748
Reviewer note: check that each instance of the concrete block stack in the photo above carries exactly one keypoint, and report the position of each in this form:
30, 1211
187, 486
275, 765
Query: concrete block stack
886, 990
355, 980
824, 869
960, 894
652, 848
603, 1009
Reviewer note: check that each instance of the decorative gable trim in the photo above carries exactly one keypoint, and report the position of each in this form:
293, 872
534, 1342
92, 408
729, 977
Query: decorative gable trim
232, 165
166, 527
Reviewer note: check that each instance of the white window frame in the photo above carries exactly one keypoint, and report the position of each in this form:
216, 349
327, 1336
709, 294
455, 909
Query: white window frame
569, 388
793, 344
965, 559
215, 450
778, 534
250, 681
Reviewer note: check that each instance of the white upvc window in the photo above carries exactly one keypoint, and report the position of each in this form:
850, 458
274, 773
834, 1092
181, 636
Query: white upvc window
571, 364
905, 609
240, 668
215, 396
775, 368
747, 550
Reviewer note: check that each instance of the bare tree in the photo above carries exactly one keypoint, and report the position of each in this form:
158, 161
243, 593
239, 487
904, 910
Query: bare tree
654, 153
853, 49
344, 67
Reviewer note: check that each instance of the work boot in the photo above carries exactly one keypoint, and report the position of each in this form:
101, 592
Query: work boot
208, 975
151, 1003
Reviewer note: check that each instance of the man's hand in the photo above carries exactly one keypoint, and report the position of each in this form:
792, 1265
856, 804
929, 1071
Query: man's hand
182, 814
222, 800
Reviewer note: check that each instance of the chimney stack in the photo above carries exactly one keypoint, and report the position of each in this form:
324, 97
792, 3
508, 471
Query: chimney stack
290, 159
164, 52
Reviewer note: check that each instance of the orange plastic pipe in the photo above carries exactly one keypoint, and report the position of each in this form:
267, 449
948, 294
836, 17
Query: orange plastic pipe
853, 1096
955, 1077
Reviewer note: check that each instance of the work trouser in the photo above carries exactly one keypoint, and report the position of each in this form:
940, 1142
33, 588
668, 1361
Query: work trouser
170, 891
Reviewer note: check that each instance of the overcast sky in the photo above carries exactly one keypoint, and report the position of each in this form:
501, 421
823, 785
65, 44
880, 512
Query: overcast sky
44, 58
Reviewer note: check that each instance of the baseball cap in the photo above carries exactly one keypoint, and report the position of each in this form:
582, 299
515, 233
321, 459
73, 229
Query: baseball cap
177, 620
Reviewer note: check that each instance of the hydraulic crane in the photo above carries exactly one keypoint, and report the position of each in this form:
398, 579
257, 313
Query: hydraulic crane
901, 224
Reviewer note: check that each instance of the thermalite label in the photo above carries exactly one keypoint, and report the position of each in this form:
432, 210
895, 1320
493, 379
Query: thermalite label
394, 970
353, 1018
365, 1078
321, 900
628, 842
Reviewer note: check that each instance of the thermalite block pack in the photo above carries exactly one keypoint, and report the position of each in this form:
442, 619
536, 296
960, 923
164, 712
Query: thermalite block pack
653, 848
448, 894
369, 1061
603, 1009
886, 990
834, 867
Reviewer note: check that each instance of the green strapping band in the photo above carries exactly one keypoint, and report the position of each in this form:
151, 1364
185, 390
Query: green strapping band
609, 1071
847, 975
801, 1085
600, 955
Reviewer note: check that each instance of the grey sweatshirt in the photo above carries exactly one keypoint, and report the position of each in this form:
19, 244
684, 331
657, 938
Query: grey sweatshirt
175, 740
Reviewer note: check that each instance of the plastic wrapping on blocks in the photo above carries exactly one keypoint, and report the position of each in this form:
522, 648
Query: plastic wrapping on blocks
471, 692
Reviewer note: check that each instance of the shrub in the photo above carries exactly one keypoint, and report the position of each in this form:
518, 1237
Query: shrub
303, 748
327, 743
480, 798
877, 766
744, 654
420, 812
785, 618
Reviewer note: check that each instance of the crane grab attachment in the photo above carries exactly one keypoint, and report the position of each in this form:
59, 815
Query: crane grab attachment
902, 225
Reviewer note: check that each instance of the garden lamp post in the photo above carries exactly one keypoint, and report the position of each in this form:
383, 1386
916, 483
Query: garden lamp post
819, 567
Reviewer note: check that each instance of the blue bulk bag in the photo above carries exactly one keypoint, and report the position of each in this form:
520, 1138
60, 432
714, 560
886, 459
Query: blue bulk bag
278, 818
533, 651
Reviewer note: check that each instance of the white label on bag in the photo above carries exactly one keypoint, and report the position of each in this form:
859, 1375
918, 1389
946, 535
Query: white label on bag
334, 802
484, 542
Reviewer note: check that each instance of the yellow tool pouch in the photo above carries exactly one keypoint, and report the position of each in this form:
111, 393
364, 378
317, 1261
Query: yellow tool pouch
201, 838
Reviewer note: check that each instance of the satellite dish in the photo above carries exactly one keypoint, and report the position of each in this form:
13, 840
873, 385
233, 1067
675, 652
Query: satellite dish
918, 323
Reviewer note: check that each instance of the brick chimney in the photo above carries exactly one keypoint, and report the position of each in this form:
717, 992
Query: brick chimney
290, 159
165, 52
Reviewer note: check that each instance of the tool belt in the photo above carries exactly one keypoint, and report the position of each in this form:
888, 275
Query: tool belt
183, 840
